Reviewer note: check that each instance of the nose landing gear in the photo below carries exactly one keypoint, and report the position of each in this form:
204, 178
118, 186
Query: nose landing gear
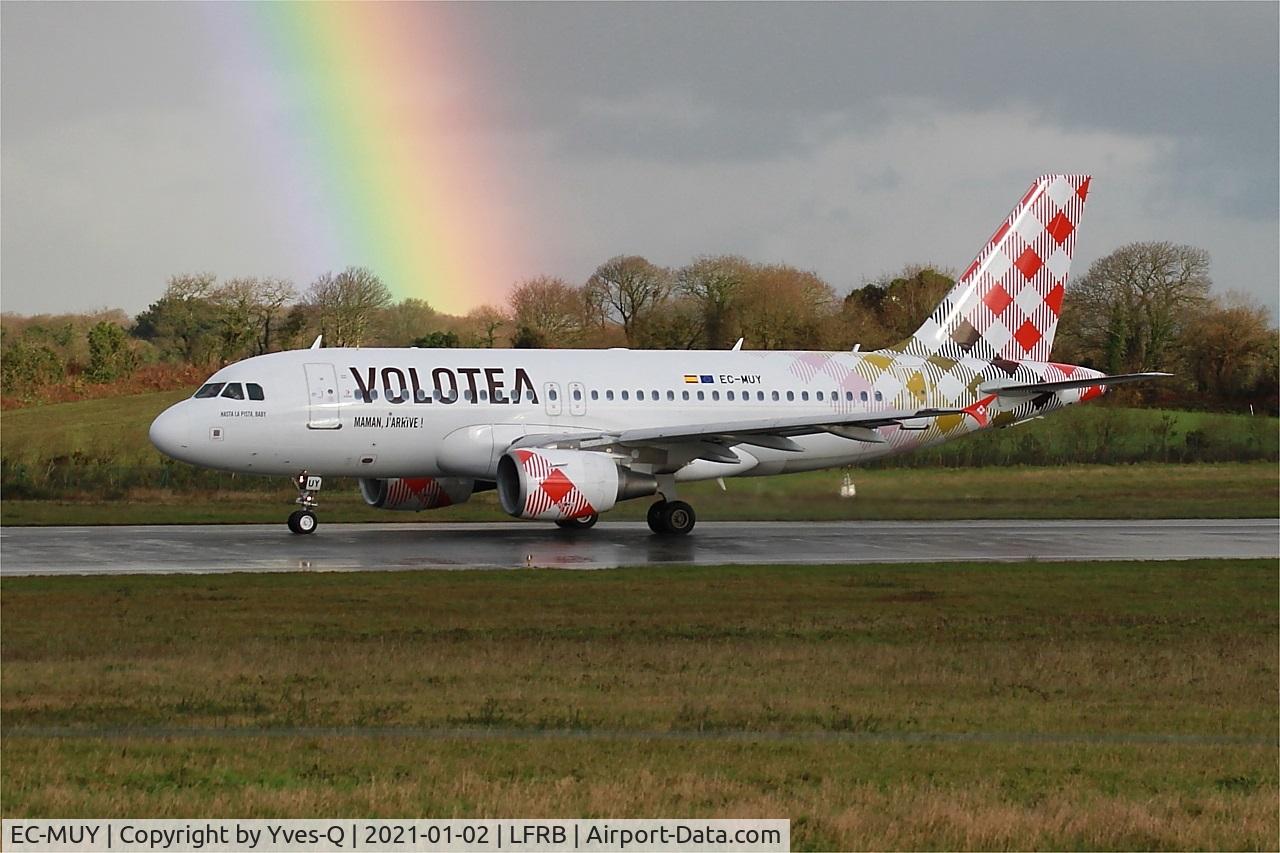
303, 521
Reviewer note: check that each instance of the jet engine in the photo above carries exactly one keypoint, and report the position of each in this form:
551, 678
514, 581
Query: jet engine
561, 484
414, 494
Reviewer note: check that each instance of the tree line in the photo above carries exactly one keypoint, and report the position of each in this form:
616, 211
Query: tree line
1146, 306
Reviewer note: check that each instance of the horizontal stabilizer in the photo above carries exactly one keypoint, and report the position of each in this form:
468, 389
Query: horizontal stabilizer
1065, 385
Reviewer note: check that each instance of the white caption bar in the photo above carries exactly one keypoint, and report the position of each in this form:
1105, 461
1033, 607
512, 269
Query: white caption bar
331, 836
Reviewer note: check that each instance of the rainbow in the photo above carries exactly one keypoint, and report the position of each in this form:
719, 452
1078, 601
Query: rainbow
379, 146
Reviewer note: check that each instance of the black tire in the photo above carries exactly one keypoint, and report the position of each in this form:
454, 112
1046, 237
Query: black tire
655, 517
303, 522
585, 522
678, 518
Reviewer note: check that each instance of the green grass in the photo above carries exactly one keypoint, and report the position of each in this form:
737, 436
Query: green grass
1121, 705
1077, 491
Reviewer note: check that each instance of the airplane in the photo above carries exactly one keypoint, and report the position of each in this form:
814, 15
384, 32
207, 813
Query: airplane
564, 435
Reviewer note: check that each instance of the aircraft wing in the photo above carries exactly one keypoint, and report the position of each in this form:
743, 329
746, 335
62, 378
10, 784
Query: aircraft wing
775, 433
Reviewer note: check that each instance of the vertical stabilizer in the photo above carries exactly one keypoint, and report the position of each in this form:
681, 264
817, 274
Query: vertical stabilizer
1006, 305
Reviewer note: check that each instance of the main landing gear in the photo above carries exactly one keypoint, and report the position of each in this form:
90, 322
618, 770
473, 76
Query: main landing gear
673, 518
303, 521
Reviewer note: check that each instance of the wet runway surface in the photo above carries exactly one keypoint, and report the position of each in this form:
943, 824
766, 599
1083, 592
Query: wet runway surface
198, 549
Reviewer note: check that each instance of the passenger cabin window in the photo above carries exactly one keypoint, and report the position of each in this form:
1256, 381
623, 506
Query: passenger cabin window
484, 396
791, 395
879, 396
684, 395
715, 395
608, 395
775, 396
626, 396
255, 391
671, 395
210, 390
595, 395
760, 396
233, 391
702, 395
553, 395
729, 394
819, 395
863, 396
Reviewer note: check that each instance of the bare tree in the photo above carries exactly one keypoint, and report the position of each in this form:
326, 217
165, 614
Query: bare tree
1128, 310
1230, 345
347, 303
248, 308
480, 326
785, 308
405, 322
713, 283
549, 309
625, 288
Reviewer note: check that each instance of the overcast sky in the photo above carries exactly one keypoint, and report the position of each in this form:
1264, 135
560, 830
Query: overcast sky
850, 139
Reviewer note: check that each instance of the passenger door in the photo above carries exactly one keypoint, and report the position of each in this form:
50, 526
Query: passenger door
323, 407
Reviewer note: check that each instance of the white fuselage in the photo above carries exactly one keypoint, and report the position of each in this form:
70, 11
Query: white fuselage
453, 412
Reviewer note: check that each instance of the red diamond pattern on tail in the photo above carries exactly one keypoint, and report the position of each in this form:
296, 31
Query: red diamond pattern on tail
1054, 299
1060, 228
1027, 335
997, 299
1083, 192
1028, 263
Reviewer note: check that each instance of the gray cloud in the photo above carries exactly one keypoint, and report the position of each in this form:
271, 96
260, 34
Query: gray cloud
847, 138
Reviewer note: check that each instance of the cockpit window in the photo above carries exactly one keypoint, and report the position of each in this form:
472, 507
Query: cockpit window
255, 391
210, 390
234, 391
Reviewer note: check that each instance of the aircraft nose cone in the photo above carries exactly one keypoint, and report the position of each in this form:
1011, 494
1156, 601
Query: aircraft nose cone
170, 432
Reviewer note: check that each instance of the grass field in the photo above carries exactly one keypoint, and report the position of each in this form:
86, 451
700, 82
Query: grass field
1075, 491
1098, 705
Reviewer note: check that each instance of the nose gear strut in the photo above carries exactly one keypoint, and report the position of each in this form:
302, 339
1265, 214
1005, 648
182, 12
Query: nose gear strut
304, 520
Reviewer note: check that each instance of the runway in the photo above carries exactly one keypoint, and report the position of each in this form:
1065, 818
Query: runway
196, 549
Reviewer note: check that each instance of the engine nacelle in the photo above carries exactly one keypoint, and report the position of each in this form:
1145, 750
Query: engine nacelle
560, 484
414, 494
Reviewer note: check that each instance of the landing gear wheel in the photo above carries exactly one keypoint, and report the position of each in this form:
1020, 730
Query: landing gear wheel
655, 517
677, 518
582, 522
303, 521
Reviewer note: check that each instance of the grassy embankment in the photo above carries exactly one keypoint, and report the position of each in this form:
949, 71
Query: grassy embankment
1101, 705
90, 462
